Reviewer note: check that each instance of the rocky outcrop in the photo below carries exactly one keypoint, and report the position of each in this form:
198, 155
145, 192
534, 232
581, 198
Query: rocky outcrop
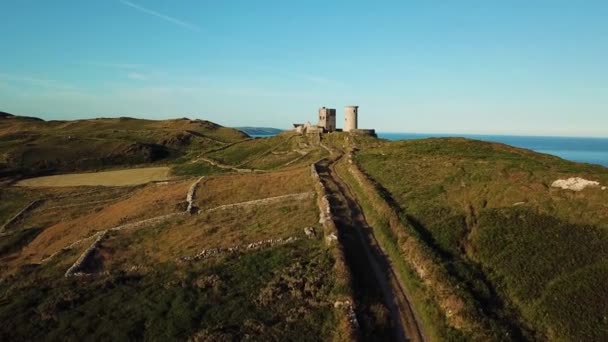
310, 232
574, 184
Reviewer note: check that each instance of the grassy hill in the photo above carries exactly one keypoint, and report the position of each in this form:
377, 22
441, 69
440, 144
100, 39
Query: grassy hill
34, 146
524, 251
486, 233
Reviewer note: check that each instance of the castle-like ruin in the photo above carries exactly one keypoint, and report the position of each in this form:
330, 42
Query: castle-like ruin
327, 122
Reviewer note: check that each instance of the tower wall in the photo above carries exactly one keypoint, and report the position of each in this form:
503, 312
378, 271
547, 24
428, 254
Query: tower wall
327, 119
351, 118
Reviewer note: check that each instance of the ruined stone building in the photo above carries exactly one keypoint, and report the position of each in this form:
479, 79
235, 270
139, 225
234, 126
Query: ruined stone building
327, 122
350, 118
327, 119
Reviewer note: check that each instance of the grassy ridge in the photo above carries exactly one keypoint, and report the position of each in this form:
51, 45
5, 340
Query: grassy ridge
489, 212
35, 146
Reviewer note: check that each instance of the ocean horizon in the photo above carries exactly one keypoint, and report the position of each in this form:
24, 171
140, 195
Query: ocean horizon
590, 150
579, 149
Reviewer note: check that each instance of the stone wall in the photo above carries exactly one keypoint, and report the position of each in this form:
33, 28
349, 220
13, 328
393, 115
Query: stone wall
191, 194
345, 302
206, 253
74, 270
269, 200
420, 259
33, 205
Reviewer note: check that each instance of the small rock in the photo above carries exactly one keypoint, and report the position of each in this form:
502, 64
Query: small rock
331, 238
310, 232
603, 188
574, 184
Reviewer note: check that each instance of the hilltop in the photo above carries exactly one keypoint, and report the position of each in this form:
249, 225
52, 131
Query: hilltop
342, 236
33, 146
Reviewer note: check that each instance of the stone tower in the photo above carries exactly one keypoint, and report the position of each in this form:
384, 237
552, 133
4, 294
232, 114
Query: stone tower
327, 119
350, 118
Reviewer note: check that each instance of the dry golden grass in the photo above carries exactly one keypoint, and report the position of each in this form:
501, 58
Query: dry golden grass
104, 178
152, 200
227, 189
224, 228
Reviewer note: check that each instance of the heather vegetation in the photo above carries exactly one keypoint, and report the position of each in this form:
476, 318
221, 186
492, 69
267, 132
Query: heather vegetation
215, 300
488, 213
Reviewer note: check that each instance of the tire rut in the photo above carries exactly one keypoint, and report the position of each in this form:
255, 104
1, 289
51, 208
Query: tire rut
374, 280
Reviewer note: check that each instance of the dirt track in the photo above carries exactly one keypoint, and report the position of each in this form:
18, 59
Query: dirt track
369, 265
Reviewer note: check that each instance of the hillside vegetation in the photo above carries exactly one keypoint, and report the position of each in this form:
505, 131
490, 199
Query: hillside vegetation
524, 251
32, 146
242, 239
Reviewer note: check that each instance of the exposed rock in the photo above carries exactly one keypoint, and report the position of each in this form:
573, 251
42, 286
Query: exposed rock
310, 232
331, 238
574, 184
350, 311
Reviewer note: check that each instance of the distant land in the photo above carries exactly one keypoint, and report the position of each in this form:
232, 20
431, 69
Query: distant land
253, 131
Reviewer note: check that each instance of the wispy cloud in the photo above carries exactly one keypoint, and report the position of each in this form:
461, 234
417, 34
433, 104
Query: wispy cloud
34, 81
162, 16
115, 65
304, 76
137, 76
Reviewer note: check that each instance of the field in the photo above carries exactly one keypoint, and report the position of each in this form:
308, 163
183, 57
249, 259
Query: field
155, 281
104, 178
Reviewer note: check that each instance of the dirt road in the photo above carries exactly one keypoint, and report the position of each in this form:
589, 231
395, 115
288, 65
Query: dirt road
374, 280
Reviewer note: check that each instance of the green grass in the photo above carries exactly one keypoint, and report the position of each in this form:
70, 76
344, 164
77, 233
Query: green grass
546, 265
34, 147
216, 299
197, 169
460, 194
12, 200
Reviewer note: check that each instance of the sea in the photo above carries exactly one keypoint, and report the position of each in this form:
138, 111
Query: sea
585, 150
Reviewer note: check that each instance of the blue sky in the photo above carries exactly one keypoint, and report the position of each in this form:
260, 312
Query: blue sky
506, 67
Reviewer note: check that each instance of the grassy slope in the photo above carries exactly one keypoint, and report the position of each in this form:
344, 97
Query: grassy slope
34, 146
216, 300
276, 152
538, 255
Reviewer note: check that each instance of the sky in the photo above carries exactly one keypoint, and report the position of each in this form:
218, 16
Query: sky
484, 67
